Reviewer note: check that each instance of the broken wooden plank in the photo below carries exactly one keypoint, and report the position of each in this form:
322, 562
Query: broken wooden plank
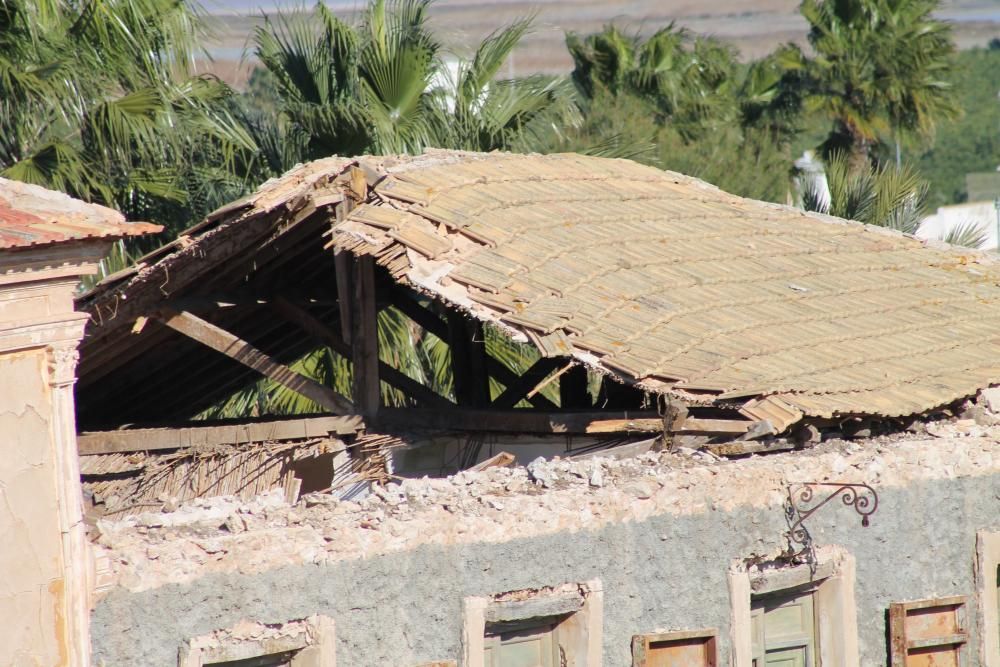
183, 436
243, 352
501, 460
746, 447
647, 425
715, 426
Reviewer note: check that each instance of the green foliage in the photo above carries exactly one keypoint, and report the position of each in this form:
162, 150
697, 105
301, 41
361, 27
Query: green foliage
687, 105
747, 163
969, 234
972, 142
97, 99
383, 86
887, 196
689, 81
880, 71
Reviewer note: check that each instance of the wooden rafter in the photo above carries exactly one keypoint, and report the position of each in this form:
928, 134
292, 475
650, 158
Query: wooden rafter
468, 361
243, 352
517, 421
518, 390
326, 335
573, 392
403, 299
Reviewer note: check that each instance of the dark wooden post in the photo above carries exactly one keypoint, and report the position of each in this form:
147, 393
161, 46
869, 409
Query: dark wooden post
573, 392
468, 361
364, 336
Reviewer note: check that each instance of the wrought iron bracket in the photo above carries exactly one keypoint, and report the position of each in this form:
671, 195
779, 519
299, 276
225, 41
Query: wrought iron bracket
807, 498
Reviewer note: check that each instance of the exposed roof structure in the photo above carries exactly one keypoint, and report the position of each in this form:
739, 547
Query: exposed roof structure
657, 279
677, 285
34, 216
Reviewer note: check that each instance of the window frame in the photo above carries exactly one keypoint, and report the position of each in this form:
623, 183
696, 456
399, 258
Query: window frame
900, 644
833, 599
312, 640
987, 571
549, 626
709, 637
580, 625
779, 599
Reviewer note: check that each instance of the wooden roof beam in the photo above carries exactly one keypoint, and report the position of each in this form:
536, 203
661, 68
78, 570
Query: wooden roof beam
328, 336
529, 380
405, 300
273, 430
243, 352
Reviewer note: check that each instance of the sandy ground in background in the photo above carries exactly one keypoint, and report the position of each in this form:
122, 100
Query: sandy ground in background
754, 27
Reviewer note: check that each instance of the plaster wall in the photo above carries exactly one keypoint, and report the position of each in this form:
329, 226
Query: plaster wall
31, 588
44, 588
659, 571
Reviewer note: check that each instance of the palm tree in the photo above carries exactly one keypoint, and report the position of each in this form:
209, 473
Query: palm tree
886, 196
485, 113
770, 94
384, 85
879, 70
689, 81
98, 99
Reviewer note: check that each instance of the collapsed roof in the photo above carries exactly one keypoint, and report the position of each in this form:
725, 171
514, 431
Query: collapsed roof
657, 279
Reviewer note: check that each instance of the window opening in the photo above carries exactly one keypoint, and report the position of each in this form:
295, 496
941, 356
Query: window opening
532, 643
690, 648
283, 659
783, 629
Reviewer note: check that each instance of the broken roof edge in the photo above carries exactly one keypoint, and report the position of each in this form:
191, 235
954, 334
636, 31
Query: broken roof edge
403, 260
32, 216
294, 183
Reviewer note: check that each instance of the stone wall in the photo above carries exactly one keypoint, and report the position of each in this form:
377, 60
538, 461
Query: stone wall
659, 531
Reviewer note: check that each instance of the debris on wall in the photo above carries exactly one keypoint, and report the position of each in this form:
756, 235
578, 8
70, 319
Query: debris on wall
500, 504
118, 484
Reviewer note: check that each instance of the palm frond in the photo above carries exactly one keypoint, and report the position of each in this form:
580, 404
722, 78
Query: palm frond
969, 234
886, 196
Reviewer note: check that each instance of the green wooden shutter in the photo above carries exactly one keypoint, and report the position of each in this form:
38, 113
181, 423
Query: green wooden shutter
528, 647
783, 631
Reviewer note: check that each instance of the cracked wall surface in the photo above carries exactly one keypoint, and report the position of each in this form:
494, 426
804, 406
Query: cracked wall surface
31, 587
659, 532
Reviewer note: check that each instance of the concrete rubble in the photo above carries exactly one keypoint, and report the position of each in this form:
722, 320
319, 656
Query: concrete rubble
499, 504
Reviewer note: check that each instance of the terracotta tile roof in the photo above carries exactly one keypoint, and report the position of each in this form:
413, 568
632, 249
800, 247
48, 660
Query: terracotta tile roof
680, 287
33, 216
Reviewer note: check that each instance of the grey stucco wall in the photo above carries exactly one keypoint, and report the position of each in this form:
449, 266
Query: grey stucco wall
402, 609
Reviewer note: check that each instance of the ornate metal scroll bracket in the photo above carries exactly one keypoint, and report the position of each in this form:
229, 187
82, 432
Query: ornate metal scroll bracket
807, 498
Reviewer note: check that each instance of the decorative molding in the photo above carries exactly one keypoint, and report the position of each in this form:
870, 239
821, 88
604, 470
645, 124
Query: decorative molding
62, 364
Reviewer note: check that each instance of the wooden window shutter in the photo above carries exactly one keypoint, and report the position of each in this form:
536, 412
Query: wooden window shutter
928, 632
688, 648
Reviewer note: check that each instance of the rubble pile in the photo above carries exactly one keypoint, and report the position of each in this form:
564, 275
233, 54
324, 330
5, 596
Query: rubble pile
499, 504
